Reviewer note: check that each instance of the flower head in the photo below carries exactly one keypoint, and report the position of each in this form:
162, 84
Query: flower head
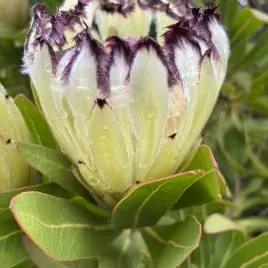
14, 171
130, 108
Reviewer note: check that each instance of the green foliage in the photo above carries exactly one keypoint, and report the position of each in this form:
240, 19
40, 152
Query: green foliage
54, 165
35, 122
76, 232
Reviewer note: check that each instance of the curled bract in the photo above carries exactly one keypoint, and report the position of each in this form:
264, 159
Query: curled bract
130, 108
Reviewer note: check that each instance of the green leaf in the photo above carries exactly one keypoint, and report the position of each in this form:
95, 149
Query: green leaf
257, 163
170, 245
43, 261
229, 237
128, 250
54, 165
35, 122
205, 190
238, 53
204, 159
225, 245
62, 230
253, 224
228, 9
146, 204
260, 104
257, 261
258, 127
217, 223
97, 211
51, 188
35, 97
259, 50
11, 251
201, 256
252, 249
246, 22
7, 31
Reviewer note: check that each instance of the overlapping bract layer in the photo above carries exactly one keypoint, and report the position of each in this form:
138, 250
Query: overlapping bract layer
130, 109
14, 171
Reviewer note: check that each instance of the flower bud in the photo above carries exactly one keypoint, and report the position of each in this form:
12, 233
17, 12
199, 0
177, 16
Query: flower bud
14, 171
130, 109
14, 12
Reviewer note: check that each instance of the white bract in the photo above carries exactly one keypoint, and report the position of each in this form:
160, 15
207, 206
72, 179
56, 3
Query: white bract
14, 171
126, 109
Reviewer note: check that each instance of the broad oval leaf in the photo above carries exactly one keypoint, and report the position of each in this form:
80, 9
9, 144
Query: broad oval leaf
204, 159
43, 261
257, 261
51, 188
217, 223
205, 190
54, 165
146, 204
170, 245
64, 231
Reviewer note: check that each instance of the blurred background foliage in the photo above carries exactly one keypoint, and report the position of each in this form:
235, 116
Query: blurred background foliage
238, 128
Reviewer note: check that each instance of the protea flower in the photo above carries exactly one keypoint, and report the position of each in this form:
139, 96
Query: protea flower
14, 12
128, 109
14, 171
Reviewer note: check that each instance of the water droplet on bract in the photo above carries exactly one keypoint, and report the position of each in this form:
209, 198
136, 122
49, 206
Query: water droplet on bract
151, 113
103, 138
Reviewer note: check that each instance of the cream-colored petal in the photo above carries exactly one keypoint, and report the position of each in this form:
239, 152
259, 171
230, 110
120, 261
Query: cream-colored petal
149, 105
89, 12
209, 88
109, 151
90, 9
119, 70
120, 98
187, 58
166, 161
162, 21
135, 24
45, 85
14, 171
80, 95
221, 42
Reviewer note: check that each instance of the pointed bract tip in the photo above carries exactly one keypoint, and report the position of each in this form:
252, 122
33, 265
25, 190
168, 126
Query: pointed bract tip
123, 7
149, 43
101, 103
120, 46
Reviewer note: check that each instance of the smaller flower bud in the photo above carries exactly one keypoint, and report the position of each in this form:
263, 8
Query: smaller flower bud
14, 171
14, 12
